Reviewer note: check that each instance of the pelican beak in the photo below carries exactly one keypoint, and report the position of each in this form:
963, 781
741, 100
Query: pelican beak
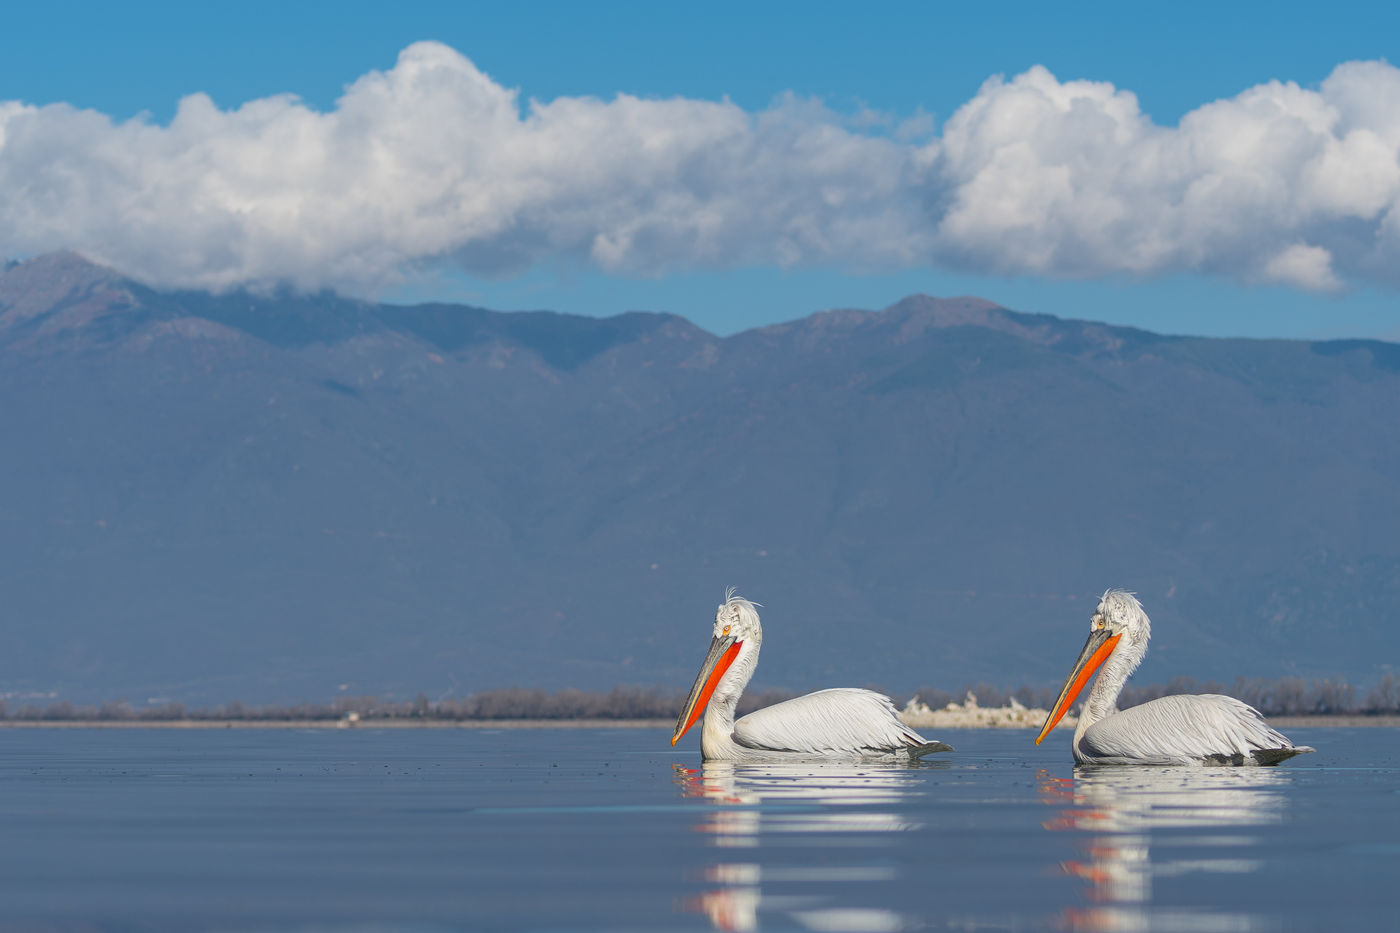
1096, 650
723, 650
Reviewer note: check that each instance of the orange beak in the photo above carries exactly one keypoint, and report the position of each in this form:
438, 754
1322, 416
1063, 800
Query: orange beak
1096, 651
723, 650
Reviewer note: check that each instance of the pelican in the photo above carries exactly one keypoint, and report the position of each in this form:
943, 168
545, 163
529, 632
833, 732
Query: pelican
840, 724
1175, 730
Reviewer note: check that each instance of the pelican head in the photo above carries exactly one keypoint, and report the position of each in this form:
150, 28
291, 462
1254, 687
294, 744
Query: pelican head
1120, 612
736, 631
1119, 617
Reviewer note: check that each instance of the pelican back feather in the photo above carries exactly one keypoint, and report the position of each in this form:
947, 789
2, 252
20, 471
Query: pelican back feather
1191, 729
838, 721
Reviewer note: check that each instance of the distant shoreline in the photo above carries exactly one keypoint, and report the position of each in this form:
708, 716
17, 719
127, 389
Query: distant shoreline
1346, 721
336, 724
1282, 722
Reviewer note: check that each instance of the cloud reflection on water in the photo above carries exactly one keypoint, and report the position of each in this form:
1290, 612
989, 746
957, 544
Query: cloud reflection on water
1127, 809
834, 807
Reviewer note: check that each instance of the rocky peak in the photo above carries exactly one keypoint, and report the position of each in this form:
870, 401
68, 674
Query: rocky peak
31, 288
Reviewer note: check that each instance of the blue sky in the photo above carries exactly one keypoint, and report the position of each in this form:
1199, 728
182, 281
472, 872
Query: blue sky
889, 82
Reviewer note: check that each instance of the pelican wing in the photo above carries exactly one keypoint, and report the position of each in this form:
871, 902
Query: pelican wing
844, 720
1175, 729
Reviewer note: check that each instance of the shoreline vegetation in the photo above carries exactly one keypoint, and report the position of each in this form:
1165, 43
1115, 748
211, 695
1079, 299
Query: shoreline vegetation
1288, 701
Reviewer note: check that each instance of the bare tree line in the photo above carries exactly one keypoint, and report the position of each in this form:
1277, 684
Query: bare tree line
1285, 696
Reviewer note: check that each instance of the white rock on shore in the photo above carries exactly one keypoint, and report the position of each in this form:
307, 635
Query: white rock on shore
968, 715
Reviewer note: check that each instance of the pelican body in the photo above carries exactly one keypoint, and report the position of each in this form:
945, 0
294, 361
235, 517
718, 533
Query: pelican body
1174, 730
839, 724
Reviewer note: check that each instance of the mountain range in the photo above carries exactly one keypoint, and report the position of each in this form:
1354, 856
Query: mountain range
270, 497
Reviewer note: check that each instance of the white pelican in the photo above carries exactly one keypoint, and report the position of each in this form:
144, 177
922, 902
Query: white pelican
1175, 730
830, 724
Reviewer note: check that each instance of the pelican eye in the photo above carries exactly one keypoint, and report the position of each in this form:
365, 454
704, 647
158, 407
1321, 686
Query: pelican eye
726, 630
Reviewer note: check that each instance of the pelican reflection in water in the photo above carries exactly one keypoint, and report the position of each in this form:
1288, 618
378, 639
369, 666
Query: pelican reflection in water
1172, 730
852, 806
841, 724
1143, 824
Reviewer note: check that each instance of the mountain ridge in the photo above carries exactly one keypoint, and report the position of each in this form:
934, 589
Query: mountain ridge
264, 497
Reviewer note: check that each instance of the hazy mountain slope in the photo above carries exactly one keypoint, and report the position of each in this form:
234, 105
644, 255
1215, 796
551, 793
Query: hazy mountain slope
262, 498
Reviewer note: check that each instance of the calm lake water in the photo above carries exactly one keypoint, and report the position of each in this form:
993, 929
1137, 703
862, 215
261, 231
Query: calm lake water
612, 829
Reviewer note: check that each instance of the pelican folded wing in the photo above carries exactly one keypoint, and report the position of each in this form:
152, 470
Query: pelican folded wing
842, 720
1195, 728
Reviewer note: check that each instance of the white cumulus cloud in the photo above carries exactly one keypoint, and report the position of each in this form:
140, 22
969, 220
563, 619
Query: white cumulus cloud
434, 160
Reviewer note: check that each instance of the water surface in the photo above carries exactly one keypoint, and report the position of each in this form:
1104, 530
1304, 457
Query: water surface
611, 829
